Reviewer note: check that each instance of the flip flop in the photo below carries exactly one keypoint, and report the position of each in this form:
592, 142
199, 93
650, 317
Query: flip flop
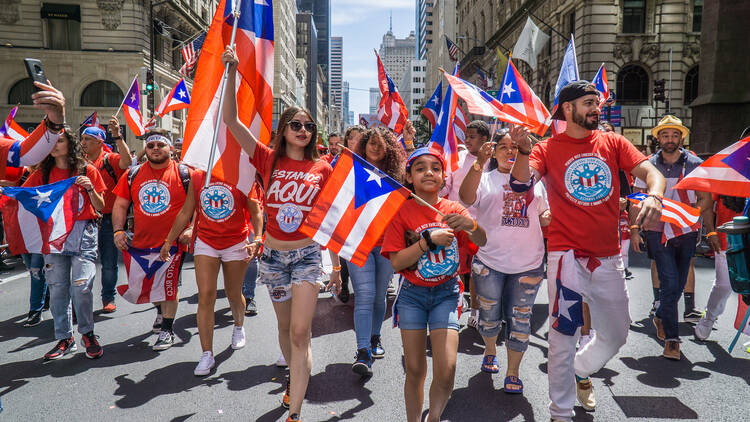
513, 385
490, 364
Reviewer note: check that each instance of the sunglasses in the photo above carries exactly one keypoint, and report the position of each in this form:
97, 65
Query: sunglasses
152, 145
309, 126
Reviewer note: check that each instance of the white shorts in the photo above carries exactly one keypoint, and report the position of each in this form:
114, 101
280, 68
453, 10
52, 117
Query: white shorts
232, 253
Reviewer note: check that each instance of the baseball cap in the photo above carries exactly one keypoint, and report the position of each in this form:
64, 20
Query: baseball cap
420, 152
571, 92
96, 132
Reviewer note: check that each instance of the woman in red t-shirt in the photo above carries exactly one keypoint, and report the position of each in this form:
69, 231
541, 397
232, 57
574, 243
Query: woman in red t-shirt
70, 273
430, 292
222, 228
290, 264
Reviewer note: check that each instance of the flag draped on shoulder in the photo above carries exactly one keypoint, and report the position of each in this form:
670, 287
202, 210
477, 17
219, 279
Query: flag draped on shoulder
254, 44
39, 219
601, 84
11, 129
530, 43
391, 112
149, 278
568, 74
680, 218
443, 140
131, 107
725, 173
354, 208
431, 110
178, 98
520, 101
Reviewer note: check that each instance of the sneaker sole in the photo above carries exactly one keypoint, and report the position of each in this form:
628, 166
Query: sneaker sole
160, 348
374, 356
251, 313
156, 330
203, 373
94, 356
361, 369
26, 324
238, 347
67, 352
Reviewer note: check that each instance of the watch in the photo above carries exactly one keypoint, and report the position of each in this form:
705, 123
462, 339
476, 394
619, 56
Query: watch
476, 166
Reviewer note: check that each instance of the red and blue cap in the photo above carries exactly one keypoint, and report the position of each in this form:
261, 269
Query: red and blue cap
423, 151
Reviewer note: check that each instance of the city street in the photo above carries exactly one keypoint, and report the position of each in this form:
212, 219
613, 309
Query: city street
132, 382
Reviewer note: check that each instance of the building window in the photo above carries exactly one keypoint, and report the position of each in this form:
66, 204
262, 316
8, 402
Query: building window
691, 85
697, 15
634, 16
20, 92
63, 24
632, 85
101, 94
572, 23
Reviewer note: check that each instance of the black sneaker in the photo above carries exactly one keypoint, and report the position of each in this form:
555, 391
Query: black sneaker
363, 363
251, 309
93, 349
34, 318
344, 294
628, 274
692, 316
376, 347
62, 348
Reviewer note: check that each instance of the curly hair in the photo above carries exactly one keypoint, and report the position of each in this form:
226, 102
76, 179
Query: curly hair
76, 162
394, 161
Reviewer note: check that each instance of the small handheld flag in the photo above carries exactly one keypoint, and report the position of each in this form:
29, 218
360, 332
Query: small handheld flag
178, 98
131, 107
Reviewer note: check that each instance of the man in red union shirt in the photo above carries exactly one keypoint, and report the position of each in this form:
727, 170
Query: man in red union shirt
580, 168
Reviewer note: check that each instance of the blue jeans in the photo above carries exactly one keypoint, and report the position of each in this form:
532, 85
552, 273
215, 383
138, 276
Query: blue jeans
419, 306
70, 277
370, 285
248, 283
108, 254
504, 296
672, 265
35, 262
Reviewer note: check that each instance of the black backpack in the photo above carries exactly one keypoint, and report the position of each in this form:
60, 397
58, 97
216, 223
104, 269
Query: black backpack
183, 169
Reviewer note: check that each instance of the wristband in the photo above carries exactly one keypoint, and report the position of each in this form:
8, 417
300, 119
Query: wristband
336, 268
428, 239
635, 227
258, 239
116, 138
475, 225
658, 197
419, 243
118, 231
711, 234
522, 152
53, 126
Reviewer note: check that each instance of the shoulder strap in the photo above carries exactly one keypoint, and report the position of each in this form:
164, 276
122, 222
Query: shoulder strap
107, 166
184, 171
132, 172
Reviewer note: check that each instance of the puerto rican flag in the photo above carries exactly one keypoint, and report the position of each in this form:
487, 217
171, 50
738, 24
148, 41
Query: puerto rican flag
39, 219
254, 45
131, 107
431, 110
178, 98
480, 102
680, 218
354, 208
391, 111
568, 74
11, 129
149, 278
601, 84
725, 173
443, 140
93, 121
567, 307
519, 101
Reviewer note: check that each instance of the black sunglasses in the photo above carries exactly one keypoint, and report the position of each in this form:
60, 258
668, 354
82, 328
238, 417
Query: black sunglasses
309, 126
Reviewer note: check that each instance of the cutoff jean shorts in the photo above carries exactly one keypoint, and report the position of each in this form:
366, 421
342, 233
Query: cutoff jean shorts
280, 269
418, 307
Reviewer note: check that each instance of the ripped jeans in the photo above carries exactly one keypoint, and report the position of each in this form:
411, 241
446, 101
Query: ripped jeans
506, 297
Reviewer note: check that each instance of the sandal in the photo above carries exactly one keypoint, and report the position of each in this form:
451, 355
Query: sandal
513, 385
490, 364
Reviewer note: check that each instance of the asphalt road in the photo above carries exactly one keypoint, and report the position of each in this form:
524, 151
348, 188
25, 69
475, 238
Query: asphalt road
132, 382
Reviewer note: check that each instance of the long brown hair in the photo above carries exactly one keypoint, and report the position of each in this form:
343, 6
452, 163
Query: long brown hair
394, 160
279, 141
76, 162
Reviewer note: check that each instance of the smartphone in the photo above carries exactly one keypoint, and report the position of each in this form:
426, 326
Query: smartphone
35, 70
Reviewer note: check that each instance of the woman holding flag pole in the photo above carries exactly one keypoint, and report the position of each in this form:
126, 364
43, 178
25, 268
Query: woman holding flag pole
290, 264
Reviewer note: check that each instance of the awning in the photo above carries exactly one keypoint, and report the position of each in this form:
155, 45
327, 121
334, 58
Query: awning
61, 11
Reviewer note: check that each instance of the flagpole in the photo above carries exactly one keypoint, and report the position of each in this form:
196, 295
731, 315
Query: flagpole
212, 155
742, 327
426, 204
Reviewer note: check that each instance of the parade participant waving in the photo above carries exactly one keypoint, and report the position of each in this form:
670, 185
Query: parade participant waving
508, 269
222, 228
422, 243
291, 262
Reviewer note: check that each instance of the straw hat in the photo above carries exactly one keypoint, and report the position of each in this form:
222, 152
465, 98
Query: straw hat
670, 122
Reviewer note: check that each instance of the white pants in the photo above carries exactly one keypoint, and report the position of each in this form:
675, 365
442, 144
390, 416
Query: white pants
605, 292
625, 251
721, 290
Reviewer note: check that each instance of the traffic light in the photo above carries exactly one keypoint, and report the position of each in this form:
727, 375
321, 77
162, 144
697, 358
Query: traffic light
149, 81
659, 90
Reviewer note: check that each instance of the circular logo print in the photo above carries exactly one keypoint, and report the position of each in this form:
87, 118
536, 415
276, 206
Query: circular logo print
289, 218
217, 202
442, 262
154, 198
588, 179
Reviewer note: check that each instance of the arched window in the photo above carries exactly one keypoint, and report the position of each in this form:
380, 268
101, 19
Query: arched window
101, 94
691, 85
632, 85
20, 92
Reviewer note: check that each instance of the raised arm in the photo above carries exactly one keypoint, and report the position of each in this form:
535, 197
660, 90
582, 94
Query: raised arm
468, 190
40, 142
242, 134
122, 148
521, 172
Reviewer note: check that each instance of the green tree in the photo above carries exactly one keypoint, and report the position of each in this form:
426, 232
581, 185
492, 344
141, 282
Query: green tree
423, 128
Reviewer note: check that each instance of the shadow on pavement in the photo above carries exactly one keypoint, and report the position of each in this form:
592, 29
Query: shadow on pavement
724, 363
332, 316
337, 383
480, 398
654, 407
660, 372
171, 379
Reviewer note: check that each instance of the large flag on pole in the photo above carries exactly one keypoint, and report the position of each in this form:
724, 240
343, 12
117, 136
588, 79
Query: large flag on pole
354, 208
443, 140
11, 129
520, 101
391, 111
478, 101
725, 173
530, 43
131, 107
568, 74
254, 45
178, 98
431, 110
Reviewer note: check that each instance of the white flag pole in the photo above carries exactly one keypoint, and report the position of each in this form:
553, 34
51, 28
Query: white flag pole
212, 155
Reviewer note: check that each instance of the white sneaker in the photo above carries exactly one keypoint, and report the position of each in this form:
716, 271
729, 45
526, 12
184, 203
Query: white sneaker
473, 321
584, 340
205, 364
281, 362
703, 328
238, 337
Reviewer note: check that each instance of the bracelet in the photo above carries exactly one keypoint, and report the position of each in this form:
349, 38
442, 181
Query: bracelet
258, 239
116, 138
419, 243
520, 151
118, 231
89, 190
635, 227
336, 268
53, 126
475, 225
711, 234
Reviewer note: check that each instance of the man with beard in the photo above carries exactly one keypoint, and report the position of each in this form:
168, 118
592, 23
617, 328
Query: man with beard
157, 189
580, 168
673, 257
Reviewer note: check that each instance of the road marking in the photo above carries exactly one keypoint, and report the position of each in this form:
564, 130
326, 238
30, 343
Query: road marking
13, 277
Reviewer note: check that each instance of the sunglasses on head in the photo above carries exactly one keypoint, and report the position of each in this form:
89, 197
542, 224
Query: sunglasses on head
296, 126
152, 145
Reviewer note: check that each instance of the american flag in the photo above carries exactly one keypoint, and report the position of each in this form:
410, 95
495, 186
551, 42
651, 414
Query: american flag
190, 52
726, 173
459, 124
521, 102
391, 111
254, 44
482, 80
354, 208
452, 49
11, 129
680, 218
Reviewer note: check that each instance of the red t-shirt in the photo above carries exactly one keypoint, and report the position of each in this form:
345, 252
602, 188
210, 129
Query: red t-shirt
157, 196
114, 161
56, 174
583, 189
328, 157
291, 192
223, 216
723, 215
433, 268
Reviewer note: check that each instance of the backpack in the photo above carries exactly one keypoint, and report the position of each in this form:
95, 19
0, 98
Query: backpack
107, 166
182, 169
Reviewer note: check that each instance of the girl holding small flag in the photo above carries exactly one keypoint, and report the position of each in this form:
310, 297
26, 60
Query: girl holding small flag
422, 243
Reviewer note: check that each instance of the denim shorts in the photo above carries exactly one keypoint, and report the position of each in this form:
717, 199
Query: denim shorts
418, 307
279, 269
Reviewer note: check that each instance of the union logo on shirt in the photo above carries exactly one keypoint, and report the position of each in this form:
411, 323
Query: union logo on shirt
588, 181
154, 198
439, 263
217, 202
